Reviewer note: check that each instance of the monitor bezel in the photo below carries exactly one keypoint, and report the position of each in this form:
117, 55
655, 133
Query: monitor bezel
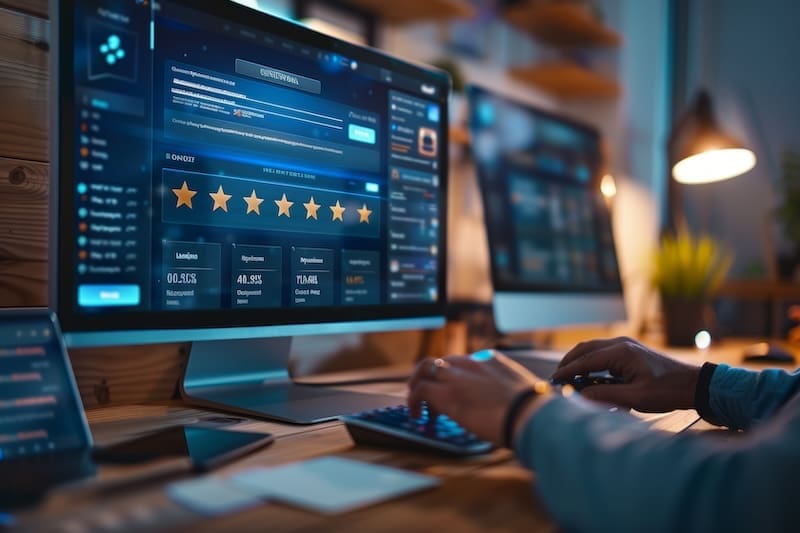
168, 326
501, 285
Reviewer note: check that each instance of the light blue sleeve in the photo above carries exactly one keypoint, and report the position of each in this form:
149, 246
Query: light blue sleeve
742, 398
602, 471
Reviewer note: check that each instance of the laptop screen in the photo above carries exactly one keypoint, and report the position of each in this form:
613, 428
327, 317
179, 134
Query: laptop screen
39, 408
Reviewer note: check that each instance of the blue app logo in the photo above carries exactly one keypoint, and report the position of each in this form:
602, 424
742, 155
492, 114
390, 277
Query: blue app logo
112, 49
112, 52
433, 113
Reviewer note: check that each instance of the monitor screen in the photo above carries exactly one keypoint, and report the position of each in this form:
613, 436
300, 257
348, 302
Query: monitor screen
222, 167
548, 226
551, 245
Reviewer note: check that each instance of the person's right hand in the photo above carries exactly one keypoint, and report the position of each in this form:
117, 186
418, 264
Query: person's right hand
652, 382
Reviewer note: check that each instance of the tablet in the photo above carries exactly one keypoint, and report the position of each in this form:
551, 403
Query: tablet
44, 436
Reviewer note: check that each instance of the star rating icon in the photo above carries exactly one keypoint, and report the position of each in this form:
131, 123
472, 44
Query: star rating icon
311, 209
283, 206
253, 203
338, 212
184, 195
363, 214
220, 199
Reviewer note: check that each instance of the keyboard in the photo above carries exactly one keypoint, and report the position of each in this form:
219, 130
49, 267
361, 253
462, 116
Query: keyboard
395, 428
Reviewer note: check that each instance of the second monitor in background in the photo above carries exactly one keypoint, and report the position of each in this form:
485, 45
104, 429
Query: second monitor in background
551, 245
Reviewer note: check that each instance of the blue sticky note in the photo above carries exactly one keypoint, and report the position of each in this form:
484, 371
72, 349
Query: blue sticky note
212, 496
332, 484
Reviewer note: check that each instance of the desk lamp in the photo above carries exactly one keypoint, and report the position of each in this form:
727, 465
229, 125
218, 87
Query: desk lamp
701, 152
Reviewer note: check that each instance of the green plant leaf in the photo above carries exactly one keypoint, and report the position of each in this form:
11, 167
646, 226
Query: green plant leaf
689, 268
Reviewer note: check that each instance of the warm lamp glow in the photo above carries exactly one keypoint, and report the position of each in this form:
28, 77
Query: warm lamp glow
701, 151
328, 28
608, 186
714, 165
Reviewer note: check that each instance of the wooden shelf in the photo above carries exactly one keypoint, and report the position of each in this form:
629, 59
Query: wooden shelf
567, 81
757, 289
405, 11
562, 24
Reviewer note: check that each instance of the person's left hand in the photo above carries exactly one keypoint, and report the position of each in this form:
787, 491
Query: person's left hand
476, 394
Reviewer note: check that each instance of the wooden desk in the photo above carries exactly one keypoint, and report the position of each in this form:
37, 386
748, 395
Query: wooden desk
489, 493
492, 492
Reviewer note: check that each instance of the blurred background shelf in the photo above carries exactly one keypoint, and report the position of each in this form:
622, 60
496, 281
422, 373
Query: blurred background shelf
773, 293
567, 80
562, 24
405, 11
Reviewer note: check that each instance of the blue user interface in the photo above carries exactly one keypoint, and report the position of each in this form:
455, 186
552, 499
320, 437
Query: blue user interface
38, 410
218, 166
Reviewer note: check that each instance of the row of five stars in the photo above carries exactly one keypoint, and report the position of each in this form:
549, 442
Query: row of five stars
185, 195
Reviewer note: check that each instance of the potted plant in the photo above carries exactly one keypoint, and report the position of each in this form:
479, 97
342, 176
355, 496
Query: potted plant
687, 272
789, 215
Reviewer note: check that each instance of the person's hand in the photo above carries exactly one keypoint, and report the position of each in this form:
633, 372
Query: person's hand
652, 382
476, 394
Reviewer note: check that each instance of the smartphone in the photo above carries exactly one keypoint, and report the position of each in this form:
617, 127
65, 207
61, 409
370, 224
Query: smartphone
204, 447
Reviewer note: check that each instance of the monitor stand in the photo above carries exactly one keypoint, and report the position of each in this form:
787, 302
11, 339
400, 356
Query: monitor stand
251, 377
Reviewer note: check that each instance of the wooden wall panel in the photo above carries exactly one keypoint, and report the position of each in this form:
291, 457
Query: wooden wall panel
36, 8
23, 86
23, 233
129, 374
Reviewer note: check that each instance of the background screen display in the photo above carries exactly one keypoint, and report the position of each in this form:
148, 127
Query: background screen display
549, 227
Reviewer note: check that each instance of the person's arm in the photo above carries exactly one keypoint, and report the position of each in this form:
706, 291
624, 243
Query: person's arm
652, 382
739, 398
602, 471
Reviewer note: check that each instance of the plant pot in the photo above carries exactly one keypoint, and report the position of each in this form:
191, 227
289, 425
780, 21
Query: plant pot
684, 318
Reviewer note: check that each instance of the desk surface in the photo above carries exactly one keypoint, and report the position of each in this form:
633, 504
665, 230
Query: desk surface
492, 492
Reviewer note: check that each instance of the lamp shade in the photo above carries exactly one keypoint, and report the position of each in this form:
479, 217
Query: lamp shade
701, 152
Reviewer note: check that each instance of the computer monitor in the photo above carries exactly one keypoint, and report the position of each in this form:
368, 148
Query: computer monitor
551, 245
223, 176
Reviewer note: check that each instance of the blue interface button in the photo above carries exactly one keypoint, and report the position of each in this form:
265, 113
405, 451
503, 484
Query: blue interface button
108, 295
433, 113
372, 187
361, 134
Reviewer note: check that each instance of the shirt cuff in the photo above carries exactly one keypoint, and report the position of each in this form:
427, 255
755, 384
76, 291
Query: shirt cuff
702, 394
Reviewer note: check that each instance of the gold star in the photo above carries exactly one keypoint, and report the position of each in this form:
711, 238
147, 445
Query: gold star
363, 214
184, 195
253, 202
283, 206
220, 199
338, 211
311, 209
